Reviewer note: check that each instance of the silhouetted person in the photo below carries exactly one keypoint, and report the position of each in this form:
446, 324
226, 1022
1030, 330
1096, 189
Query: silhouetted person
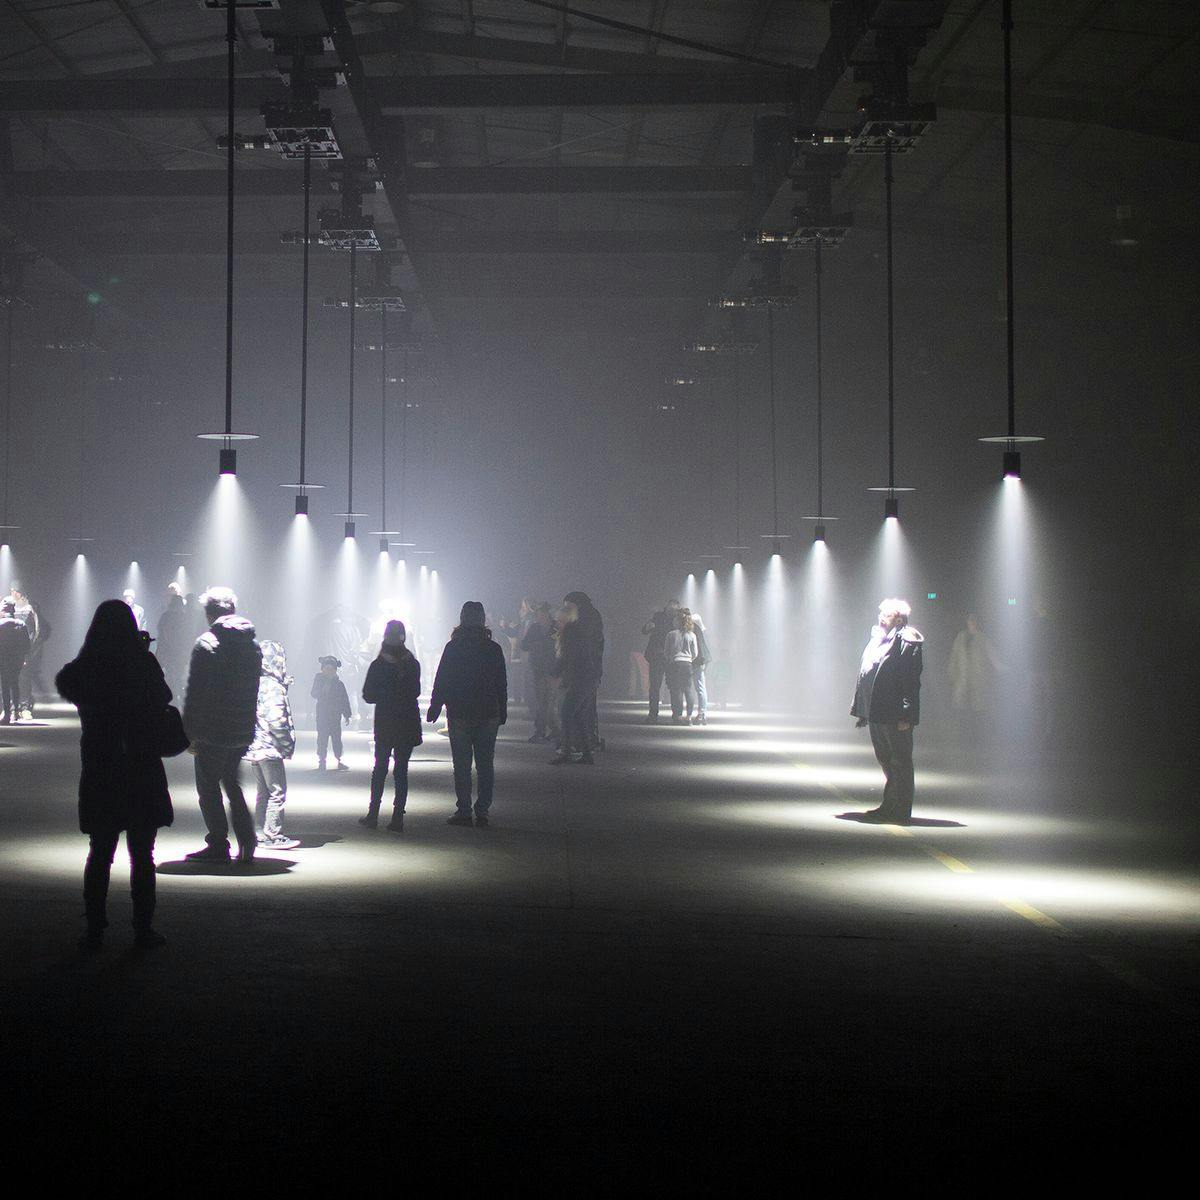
592, 625
699, 669
175, 637
659, 625
472, 685
574, 670
393, 685
887, 699
682, 651
14, 647
333, 707
274, 743
219, 714
538, 648
119, 689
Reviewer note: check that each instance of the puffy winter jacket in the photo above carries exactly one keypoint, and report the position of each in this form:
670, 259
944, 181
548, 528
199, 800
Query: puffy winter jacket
221, 704
14, 642
274, 730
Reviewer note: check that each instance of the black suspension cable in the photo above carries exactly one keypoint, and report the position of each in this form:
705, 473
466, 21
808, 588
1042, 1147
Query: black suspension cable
891, 318
231, 38
1008, 215
737, 440
8, 372
304, 317
820, 391
353, 308
403, 436
383, 415
771, 394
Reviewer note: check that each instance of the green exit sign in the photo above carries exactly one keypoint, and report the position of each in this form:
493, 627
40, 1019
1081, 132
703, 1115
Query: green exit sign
931, 596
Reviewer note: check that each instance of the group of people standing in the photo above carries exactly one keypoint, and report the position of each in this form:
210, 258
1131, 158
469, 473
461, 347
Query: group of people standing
678, 653
23, 636
562, 651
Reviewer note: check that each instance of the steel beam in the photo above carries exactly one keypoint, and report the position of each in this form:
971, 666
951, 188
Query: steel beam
136, 96
529, 179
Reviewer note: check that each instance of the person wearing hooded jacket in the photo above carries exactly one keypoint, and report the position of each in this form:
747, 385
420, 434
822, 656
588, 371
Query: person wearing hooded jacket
472, 685
274, 743
393, 686
118, 687
220, 714
887, 699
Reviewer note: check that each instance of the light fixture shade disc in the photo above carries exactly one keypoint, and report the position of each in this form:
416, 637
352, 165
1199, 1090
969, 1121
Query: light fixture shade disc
228, 437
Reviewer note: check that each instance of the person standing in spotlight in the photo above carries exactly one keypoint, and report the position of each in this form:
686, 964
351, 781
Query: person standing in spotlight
139, 613
174, 637
28, 614
14, 648
703, 658
220, 713
538, 648
682, 650
393, 686
333, 707
472, 685
274, 743
658, 627
119, 689
887, 699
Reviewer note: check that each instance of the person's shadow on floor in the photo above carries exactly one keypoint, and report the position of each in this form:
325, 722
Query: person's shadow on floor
863, 818
313, 841
257, 869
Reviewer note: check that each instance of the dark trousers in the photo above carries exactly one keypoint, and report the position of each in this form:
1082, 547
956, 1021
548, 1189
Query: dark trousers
894, 750
683, 688
388, 752
658, 672
217, 768
10, 697
542, 708
578, 718
140, 844
474, 740
329, 731
270, 776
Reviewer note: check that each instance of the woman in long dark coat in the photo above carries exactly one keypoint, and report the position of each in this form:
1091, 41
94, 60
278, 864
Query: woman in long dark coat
393, 685
118, 687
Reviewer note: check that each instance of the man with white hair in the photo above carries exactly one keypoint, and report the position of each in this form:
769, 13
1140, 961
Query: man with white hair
887, 699
139, 613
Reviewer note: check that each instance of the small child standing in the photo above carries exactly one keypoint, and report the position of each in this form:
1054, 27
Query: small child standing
274, 742
333, 707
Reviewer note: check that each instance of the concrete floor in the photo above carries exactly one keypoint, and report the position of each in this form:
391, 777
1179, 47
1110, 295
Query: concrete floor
678, 968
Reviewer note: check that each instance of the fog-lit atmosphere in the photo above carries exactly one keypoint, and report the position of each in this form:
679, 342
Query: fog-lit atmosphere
773, 330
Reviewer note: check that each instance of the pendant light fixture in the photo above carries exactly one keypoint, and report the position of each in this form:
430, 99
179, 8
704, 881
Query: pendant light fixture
1010, 440
228, 438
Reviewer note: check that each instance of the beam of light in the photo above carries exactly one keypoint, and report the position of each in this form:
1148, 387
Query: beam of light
731, 650
133, 580
83, 600
348, 575
690, 591
893, 561
300, 588
227, 540
823, 670
777, 682
181, 578
8, 569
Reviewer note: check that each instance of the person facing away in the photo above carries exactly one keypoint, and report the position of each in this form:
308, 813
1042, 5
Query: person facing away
119, 689
274, 743
682, 650
393, 686
38, 630
220, 715
887, 699
699, 679
333, 707
14, 649
174, 636
658, 627
573, 668
472, 685
592, 624
538, 648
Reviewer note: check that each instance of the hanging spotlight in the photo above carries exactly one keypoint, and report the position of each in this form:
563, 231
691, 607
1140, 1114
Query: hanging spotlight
1010, 440
228, 457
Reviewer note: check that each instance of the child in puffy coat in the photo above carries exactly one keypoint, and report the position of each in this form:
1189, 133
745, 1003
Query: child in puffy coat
274, 743
333, 707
